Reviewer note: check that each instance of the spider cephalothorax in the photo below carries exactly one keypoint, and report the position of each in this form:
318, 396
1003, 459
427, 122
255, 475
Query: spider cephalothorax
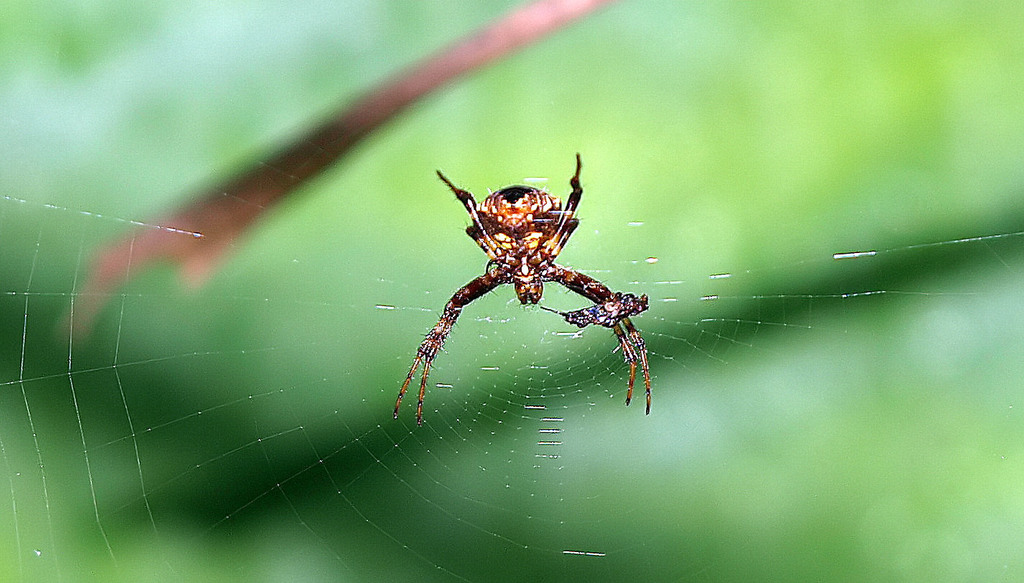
522, 230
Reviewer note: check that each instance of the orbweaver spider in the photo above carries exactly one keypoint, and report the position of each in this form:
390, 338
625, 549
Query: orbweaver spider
522, 230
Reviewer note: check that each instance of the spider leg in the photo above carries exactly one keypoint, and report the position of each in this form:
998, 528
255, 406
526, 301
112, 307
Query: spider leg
574, 182
432, 344
423, 392
466, 198
637, 352
609, 306
567, 221
630, 356
405, 385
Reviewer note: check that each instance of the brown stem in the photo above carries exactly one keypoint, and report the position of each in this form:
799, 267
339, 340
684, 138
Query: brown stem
204, 230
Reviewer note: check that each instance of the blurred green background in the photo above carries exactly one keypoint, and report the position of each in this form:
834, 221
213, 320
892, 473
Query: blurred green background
242, 431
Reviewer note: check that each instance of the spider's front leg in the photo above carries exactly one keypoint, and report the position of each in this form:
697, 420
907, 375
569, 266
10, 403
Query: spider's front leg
607, 313
432, 344
635, 350
425, 354
611, 310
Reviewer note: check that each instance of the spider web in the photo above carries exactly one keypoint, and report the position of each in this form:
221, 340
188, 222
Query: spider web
134, 452
825, 403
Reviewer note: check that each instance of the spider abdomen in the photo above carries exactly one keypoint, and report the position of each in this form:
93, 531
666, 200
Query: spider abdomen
520, 219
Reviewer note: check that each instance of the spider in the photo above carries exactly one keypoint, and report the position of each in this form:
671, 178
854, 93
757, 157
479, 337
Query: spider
522, 230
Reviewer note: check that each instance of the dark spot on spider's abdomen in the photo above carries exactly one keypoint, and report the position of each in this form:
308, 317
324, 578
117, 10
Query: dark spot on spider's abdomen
513, 193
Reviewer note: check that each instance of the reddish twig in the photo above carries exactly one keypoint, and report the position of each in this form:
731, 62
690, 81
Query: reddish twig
198, 236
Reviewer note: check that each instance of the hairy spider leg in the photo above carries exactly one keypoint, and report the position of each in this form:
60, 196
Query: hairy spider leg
630, 354
435, 338
567, 221
639, 349
467, 199
633, 347
423, 388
